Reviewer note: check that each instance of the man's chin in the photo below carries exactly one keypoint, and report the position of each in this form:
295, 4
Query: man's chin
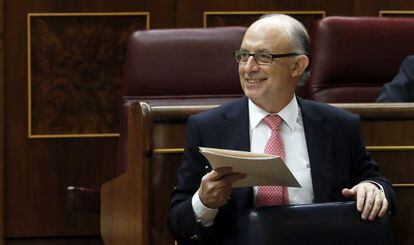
252, 95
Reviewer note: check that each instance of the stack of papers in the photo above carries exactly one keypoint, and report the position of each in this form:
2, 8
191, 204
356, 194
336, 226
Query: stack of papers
260, 169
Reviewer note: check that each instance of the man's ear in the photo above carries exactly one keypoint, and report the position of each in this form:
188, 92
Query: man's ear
301, 62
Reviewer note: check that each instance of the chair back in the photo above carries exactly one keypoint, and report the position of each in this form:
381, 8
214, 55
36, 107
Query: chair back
177, 64
352, 57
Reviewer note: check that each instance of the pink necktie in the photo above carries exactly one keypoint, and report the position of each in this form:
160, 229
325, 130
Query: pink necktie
273, 195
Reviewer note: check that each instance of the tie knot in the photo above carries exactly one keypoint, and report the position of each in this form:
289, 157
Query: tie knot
273, 122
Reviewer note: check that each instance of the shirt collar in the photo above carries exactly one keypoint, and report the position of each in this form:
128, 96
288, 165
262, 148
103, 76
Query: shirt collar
289, 114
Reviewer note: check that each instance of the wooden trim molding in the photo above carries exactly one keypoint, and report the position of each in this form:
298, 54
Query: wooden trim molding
59, 136
146, 14
168, 151
32, 135
207, 13
391, 148
389, 13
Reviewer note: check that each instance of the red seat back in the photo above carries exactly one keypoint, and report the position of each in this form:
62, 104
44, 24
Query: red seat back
352, 57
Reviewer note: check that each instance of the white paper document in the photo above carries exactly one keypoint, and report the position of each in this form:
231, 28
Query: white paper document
260, 169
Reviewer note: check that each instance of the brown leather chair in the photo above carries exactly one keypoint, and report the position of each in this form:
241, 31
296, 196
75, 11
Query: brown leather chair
352, 57
162, 67
180, 64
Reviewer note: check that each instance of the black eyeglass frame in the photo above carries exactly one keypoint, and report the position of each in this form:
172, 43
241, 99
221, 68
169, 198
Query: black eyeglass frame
274, 56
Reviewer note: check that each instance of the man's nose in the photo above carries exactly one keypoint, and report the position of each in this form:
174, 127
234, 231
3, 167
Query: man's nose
251, 65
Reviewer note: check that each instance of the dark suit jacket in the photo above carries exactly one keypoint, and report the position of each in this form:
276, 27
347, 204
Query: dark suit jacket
401, 89
336, 152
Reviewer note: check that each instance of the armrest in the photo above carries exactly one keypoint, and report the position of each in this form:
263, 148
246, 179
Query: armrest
324, 223
83, 199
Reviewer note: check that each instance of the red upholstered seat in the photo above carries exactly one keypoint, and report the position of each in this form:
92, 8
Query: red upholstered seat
182, 62
352, 57
195, 64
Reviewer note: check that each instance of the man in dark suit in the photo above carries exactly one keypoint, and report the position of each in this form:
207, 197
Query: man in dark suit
401, 88
322, 144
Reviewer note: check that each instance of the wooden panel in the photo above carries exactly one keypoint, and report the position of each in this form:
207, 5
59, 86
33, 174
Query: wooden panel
246, 18
37, 180
393, 128
75, 65
398, 166
190, 13
403, 220
170, 139
399, 133
125, 215
57, 241
169, 135
2, 107
373, 7
38, 171
163, 179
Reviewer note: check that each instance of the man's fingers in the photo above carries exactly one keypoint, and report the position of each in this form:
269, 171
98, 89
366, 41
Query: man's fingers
384, 207
369, 202
360, 198
216, 186
377, 205
231, 178
218, 173
226, 181
348, 193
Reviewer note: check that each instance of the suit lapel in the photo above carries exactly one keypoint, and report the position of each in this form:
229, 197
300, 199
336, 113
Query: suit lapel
236, 136
318, 135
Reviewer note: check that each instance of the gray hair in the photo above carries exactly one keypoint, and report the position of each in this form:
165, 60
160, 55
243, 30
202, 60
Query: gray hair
299, 36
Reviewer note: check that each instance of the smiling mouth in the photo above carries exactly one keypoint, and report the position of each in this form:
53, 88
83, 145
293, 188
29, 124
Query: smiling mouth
254, 81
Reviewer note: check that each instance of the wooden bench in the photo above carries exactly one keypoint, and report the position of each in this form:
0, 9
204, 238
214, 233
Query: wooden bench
135, 205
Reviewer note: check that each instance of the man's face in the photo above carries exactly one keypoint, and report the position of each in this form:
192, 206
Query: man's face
264, 84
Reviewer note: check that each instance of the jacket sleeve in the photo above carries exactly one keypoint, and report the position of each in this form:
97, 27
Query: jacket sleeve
401, 88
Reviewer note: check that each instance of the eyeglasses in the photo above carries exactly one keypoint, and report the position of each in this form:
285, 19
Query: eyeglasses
261, 58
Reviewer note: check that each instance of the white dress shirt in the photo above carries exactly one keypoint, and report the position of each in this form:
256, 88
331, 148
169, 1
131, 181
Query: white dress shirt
296, 151
296, 155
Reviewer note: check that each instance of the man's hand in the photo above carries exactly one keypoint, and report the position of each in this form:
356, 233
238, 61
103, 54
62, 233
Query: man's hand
215, 187
370, 200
